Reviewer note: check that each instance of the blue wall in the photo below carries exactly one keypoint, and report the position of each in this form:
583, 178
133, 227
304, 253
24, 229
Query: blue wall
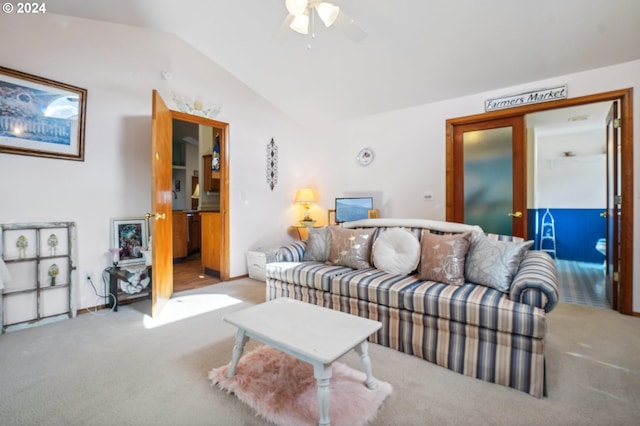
577, 231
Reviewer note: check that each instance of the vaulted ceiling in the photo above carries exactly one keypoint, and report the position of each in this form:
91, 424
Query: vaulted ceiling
415, 52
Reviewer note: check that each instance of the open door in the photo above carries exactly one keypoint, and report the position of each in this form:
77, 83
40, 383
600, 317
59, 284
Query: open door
614, 207
160, 218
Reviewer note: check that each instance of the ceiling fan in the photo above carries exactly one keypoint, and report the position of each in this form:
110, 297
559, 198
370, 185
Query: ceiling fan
303, 13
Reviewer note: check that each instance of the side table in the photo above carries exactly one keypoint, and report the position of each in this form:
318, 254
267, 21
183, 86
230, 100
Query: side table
116, 274
303, 230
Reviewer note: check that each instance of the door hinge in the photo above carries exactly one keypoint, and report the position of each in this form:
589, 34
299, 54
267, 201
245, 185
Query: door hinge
616, 276
617, 123
617, 200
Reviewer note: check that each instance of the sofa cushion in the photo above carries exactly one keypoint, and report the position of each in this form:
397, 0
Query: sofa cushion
351, 247
318, 244
374, 285
476, 305
308, 274
396, 251
492, 262
443, 256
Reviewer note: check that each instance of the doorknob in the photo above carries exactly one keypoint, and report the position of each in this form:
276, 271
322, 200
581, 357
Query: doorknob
603, 214
156, 216
516, 214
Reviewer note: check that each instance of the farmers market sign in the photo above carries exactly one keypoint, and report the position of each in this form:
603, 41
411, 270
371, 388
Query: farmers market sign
534, 97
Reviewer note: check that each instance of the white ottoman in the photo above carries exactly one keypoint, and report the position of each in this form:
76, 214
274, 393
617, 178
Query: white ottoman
257, 261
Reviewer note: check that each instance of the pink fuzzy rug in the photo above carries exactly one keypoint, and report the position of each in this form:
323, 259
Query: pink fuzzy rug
282, 389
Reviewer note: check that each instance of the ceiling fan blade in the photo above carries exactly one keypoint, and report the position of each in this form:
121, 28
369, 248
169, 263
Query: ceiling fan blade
350, 27
283, 32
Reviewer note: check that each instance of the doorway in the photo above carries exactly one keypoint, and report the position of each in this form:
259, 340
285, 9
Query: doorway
211, 165
621, 275
214, 221
190, 142
567, 197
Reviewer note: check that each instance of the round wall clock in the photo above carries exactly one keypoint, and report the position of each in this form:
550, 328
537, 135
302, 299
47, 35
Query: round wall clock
365, 156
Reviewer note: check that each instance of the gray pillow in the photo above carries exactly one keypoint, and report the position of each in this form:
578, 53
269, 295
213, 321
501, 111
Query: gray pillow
494, 263
318, 245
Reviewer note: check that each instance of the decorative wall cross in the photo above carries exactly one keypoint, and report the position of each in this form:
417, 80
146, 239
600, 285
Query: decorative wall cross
272, 164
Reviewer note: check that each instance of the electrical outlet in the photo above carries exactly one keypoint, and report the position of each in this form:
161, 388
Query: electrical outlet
428, 196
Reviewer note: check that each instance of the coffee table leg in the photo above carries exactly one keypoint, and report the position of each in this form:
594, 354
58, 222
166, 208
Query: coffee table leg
322, 374
238, 348
363, 350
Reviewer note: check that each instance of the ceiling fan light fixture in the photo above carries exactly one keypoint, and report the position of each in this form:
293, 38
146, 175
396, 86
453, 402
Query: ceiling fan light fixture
296, 7
328, 13
300, 24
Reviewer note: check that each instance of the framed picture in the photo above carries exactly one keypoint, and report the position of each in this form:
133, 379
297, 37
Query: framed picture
41, 117
129, 235
331, 217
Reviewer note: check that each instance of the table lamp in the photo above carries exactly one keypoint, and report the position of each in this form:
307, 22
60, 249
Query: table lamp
306, 198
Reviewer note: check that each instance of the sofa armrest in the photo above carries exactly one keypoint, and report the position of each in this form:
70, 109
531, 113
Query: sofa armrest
536, 282
292, 252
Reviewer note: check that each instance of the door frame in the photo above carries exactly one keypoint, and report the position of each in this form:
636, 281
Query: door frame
224, 184
625, 97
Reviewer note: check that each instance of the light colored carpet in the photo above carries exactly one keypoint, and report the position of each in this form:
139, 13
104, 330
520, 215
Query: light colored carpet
282, 389
109, 369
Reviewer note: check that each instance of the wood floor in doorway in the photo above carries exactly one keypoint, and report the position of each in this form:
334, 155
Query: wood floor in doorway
582, 283
188, 274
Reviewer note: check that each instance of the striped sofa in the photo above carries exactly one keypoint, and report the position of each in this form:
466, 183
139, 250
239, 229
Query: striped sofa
471, 329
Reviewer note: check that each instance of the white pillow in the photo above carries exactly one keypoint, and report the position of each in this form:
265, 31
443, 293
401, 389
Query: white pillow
396, 251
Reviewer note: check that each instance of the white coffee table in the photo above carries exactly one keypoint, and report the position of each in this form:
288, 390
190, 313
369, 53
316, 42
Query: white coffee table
308, 332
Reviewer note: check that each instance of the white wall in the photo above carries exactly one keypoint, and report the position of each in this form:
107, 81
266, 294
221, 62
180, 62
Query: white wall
119, 66
571, 182
410, 148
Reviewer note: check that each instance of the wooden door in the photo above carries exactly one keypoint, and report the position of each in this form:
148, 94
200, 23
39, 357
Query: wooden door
486, 173
160, 217
614, 207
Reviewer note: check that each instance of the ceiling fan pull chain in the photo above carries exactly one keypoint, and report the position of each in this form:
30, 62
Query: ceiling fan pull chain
312, 33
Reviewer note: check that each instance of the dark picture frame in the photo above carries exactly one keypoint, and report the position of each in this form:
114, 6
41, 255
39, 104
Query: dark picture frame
41, 117
129, 235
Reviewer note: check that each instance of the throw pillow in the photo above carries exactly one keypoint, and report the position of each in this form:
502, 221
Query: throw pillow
396, 251
318, 245
494, 263
443, 257
351, 247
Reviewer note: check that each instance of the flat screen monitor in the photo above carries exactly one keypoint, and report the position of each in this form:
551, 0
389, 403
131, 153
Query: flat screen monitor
354, 208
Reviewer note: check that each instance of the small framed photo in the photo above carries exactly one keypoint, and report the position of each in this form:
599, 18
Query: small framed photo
331, 217
129, 235
41, 117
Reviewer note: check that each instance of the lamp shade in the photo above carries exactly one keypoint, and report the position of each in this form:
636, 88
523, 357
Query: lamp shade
300, 24
196, 191
296, 7
328, 13
305, 196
